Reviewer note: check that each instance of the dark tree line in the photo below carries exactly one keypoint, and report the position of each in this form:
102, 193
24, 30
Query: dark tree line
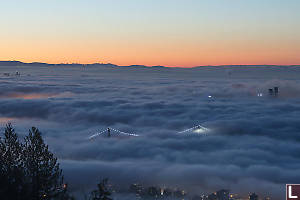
29, 171
102, 192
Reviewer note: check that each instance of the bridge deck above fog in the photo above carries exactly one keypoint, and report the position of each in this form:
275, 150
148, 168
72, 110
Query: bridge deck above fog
110, 132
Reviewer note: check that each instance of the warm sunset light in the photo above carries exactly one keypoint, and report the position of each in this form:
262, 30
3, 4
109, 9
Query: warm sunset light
171, 33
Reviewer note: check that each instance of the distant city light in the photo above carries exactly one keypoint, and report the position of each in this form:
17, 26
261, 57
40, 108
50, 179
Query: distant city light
259, 94
209, 96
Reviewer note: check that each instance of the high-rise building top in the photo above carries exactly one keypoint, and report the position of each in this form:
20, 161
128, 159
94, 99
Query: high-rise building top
274, 91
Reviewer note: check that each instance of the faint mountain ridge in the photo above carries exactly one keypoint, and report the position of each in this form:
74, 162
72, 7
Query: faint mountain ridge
19, 63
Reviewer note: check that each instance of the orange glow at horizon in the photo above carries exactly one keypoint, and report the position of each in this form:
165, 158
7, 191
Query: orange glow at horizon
166, 54
164, 50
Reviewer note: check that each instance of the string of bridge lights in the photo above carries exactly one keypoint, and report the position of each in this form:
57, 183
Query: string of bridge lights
121, 132
199, 129
97, 134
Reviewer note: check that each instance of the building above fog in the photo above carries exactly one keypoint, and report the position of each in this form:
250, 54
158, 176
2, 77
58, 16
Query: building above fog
274, 91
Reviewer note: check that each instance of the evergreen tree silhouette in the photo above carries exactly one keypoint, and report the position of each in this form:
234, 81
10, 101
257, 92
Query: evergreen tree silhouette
29, 170
41, 168
102, 192
11, 166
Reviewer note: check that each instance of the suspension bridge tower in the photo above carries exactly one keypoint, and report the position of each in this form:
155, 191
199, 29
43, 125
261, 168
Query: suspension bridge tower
108, 132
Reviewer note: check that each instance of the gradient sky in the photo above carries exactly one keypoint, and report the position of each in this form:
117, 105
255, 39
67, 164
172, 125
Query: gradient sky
151, 32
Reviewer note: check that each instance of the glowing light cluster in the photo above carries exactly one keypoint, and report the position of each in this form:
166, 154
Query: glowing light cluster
196, 130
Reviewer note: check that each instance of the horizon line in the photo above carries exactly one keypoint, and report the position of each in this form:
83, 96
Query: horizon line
141, 65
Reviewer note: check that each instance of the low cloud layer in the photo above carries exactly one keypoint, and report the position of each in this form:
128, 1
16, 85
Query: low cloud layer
253, 145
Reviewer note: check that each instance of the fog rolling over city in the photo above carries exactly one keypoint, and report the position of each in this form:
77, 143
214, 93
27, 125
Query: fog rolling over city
252, 142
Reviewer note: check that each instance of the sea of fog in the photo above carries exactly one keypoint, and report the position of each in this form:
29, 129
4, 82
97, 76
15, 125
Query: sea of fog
253, 142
